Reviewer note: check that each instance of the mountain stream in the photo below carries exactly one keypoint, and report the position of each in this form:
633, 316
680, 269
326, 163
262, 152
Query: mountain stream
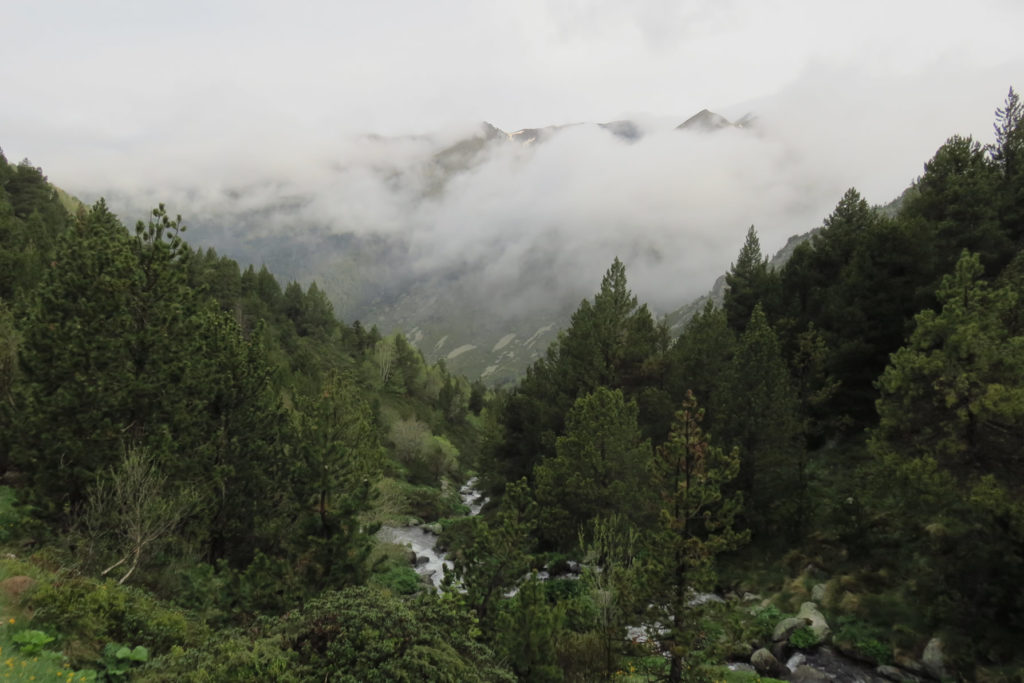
430, 562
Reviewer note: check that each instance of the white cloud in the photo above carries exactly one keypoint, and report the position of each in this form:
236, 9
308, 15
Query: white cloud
185, 102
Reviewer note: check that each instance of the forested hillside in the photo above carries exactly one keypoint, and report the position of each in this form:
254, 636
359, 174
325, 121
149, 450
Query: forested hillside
828, 468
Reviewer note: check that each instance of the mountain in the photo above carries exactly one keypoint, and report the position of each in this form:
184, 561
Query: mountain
709, 121
380, 266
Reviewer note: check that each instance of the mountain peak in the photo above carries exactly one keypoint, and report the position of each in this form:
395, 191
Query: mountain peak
706, 120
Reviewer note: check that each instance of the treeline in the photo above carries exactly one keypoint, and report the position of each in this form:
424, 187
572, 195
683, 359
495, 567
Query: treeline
872, 390
173, 422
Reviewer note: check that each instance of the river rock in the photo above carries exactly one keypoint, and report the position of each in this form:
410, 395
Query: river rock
907, 663
433, 527
808, 674
784, 629
933, 659
818, 592
767, 665
810, 612
894, 673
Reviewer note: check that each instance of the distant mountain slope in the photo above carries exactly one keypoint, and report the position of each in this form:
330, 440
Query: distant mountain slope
454, 307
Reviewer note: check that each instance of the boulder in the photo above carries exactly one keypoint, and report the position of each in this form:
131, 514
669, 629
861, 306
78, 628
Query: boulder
780, 650
933, 659
808, 674
784, 629
907, 663
818, 592
894, 673
810, 612
767, 665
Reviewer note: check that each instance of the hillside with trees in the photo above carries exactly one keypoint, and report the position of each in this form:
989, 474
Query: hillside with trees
827, 469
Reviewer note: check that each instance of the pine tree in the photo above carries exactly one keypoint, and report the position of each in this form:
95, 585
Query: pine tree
758, 413
700, 358
695, 524
340, 460
609, 343
955, 392
74, 403
1008, 155
599, 467
749, 283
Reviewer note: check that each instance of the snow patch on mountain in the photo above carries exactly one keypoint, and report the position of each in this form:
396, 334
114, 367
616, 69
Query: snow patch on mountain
455, 353
503, 342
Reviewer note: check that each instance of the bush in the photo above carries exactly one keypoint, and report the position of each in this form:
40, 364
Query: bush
803, 638
234, 658
400, 580
868, 640
94, 613
765, 620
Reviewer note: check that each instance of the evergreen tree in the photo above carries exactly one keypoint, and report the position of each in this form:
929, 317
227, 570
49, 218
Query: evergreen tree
609, 343
497, 558
695, 524
340, 460
758, 414
949, 451
74, 404
749, 283
599, 467
1008, 155
701, 356
529, 628
955, 392
957, 198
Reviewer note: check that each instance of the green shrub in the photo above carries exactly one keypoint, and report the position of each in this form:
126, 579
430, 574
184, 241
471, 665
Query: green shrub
402, 580
233, 658
803, 638
119, 659
94, 613
765, 620
867, 639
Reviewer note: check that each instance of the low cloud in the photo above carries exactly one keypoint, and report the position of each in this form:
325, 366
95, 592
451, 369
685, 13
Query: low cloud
538, 224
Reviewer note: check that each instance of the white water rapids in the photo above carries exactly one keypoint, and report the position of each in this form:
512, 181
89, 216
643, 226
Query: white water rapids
429, 561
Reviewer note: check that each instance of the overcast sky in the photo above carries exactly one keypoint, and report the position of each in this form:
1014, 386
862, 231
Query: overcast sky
155, 95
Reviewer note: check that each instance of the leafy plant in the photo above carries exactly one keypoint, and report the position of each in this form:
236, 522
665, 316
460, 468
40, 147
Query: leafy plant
401, 580
803, 638
867, 639
765, 620
119, 659
31, 641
